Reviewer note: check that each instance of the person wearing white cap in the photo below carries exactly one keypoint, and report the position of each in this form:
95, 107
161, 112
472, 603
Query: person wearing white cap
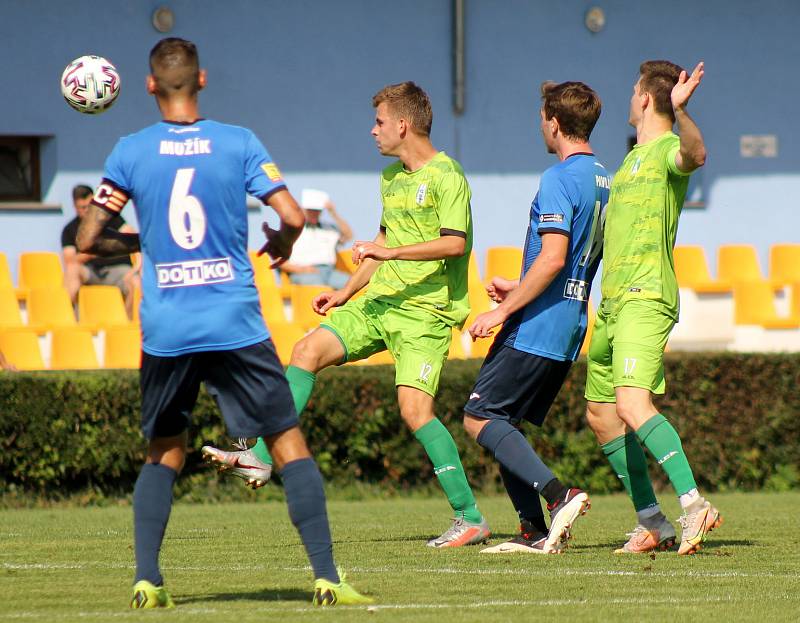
313, 260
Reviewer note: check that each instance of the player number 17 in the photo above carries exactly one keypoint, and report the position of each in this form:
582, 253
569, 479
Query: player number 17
187, 218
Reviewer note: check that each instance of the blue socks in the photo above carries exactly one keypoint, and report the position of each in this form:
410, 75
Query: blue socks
512, 450
152, 503
525, 500
305, 497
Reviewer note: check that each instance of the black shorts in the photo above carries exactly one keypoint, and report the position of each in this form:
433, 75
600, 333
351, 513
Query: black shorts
514, 385
248, 384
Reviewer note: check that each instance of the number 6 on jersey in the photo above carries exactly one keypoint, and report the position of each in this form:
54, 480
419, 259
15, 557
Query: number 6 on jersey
187, 219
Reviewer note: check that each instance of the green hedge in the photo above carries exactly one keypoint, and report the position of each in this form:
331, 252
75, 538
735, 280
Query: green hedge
738, 416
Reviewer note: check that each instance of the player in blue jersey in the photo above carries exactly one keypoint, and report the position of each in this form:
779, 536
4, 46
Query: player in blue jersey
544, 320
201, 321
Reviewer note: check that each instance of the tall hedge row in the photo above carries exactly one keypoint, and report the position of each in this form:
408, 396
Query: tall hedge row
738, 416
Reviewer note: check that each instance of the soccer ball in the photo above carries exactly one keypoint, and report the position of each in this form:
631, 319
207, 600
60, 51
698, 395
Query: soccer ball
90, 84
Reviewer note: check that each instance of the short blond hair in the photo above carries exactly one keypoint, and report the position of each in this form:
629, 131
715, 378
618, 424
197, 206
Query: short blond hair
410, 102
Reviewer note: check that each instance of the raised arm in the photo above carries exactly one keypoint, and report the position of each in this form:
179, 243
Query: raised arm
692, 152
94, 237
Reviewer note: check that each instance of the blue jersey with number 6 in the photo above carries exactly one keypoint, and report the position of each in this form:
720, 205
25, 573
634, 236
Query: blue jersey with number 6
571, 201
189, 184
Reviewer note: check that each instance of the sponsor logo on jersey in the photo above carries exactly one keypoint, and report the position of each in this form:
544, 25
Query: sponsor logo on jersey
183, 130
421, 192
576, 290
551, 218
601, 181
187, 147
194, 273
272, 171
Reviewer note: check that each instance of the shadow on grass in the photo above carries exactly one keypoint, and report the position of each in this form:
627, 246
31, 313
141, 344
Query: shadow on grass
267, 594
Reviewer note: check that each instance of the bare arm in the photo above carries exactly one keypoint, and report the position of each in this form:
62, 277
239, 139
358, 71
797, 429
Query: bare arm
440, 248
345, 232
544, 269
71, 256
94, 237
692, 152
280, 241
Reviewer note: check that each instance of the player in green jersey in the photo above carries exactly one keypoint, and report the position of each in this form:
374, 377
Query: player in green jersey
640, 306
415, 272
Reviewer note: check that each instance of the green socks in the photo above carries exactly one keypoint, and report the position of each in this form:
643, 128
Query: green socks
442, 451
630, 464
658, 435
301, 384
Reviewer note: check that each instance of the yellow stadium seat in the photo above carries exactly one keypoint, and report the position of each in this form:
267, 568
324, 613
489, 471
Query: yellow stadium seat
263, 275
40, 270
692, 271
480, 348
795, 300
344, 262
284, 336
754, 304
123, 348
302, 313
72, 349
101, 307
383, 358
21, 348
271, 305
6, 282
738, 262
9, 309
456, 347
137, 303
784, 264
49, 308
503, 262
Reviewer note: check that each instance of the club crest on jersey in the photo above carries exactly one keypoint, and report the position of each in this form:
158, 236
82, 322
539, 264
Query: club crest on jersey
421, 192
194, 273
272, 171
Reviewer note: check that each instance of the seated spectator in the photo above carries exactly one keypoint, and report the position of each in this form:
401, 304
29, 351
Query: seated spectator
313, 260
86, 269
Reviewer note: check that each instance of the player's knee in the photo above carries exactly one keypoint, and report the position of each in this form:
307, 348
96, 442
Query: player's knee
305, 354
473, 426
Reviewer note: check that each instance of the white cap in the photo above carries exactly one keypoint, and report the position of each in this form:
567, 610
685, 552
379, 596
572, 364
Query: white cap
311, 199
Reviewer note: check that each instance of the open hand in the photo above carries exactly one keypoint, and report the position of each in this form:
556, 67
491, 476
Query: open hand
276, 246
686, 85
484, 323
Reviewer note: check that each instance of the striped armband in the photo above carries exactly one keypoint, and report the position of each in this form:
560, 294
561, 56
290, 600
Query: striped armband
110, 197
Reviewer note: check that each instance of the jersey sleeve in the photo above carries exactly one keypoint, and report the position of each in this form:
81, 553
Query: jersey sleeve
263, 178
671, 151
114, 191
555, 205
454, 205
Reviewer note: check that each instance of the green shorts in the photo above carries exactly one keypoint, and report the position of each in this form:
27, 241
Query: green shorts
627, 350
418, 341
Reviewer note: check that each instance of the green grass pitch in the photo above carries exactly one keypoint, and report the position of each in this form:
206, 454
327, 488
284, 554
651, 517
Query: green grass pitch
243, 562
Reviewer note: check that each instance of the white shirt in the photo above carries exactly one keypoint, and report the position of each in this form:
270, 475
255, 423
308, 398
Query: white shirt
315, 246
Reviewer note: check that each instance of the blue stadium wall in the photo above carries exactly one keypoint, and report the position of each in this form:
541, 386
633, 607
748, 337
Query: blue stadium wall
301, 74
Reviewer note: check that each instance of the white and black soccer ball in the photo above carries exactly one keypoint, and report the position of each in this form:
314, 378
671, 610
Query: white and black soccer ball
90, 84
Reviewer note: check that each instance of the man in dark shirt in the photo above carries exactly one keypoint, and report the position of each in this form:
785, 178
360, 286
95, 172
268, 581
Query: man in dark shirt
86, 269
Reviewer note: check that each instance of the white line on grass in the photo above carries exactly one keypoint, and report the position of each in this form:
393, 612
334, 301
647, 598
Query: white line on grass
689, 573
643, 601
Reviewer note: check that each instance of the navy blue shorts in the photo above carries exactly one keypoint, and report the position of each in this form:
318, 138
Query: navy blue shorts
248, 384
514, 385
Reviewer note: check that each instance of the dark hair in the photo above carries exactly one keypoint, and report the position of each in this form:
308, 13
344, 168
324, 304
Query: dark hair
410, 102
575, 105
175, 65
657, 79
81, 191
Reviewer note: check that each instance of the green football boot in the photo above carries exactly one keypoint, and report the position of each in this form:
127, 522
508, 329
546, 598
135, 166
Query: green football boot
147, 595
326, 593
